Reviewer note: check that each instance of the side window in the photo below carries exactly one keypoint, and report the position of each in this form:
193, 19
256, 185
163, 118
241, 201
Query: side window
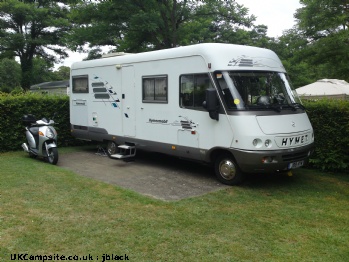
154, 89
192, 90
80, 84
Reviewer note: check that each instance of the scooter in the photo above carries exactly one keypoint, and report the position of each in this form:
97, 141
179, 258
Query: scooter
41, 138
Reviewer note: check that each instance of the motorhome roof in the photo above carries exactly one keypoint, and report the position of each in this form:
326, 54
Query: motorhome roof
221, 56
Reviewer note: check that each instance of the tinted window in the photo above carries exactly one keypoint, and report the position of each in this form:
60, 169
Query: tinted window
155, 89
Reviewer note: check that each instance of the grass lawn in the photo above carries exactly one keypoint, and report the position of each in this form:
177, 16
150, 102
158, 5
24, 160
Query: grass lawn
47, 210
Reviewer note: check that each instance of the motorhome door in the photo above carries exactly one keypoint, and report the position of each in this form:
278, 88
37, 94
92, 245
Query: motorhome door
128, 101
80, 95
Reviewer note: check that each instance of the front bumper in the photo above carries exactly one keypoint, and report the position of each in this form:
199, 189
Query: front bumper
271, 161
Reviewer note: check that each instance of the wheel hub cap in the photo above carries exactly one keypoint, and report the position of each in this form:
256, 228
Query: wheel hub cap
227, 169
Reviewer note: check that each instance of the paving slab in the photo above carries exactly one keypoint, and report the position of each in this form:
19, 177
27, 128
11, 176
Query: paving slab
151, 174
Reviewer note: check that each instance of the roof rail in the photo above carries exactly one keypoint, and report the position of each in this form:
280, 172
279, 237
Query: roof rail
115, 54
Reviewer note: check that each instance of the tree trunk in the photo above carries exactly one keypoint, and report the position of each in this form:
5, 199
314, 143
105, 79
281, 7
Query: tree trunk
27, 67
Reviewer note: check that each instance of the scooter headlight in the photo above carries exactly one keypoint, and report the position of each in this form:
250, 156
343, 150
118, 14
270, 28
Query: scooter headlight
50, 133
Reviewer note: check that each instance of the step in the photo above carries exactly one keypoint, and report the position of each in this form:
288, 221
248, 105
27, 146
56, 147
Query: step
126, 147
126, 152
121, 156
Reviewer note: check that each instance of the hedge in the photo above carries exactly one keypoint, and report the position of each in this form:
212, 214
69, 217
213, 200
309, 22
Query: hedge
14, 106
330, 120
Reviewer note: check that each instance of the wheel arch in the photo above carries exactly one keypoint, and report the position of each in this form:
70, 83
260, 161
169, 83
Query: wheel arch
215, 152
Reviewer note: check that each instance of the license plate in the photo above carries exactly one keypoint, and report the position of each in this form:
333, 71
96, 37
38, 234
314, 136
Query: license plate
295, 164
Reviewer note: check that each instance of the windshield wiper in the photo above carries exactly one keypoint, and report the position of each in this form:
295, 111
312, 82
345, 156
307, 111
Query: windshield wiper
275, 108
264, 107
297, 105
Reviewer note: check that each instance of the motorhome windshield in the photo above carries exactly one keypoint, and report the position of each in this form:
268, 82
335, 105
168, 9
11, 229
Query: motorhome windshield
255, 90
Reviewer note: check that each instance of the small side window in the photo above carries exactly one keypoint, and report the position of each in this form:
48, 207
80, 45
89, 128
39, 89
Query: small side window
80, 84
192, 90
155, 89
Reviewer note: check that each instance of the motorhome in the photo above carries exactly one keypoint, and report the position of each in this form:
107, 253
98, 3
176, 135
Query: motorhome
227, 105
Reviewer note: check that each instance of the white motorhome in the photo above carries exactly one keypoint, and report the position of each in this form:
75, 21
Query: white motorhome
229, 105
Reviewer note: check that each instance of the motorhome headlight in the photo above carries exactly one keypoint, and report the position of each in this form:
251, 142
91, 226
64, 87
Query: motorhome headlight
257, 142
267, 143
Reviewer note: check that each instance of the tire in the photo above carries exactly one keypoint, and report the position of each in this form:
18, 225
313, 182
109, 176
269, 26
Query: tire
227, 171
112, 148
52, 155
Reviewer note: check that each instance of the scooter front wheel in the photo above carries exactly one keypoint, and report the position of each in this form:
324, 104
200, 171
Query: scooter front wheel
52, 155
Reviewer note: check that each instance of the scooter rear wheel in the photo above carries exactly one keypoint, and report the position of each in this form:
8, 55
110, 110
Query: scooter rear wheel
52, 155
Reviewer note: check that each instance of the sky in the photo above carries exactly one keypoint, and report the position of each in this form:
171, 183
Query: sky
276, 14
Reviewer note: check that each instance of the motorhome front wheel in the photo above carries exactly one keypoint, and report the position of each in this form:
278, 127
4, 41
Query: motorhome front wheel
227, 171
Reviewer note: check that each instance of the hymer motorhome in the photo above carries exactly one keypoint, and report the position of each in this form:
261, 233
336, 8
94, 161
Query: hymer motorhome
227, 105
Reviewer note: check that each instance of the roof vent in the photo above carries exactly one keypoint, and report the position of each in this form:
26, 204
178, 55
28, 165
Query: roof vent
246, 62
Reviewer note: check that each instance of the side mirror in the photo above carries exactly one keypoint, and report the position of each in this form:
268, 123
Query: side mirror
211, 104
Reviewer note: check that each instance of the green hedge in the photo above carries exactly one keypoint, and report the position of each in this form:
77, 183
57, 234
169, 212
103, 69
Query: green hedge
330, 120
14, 106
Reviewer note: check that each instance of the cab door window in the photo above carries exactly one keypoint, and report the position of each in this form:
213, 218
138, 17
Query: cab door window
193, 90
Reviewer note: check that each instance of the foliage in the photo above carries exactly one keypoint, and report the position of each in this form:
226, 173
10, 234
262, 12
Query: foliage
94, 53
10, 75
330, 120
318, 46
33, 28
63, 73
14, 106
41, 71
135, 26
321, 18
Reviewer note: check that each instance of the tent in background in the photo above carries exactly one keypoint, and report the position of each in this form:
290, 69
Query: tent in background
330, 88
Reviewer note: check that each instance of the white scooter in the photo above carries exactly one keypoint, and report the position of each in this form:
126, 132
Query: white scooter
41, 138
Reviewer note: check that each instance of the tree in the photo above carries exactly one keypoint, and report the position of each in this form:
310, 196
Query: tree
321, 18
42, 71
94, 53
137, 25
30, 28
63, 73
291, 47
325, 25
10, 75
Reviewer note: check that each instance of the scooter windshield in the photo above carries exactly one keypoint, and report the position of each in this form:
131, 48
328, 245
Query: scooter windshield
256, 90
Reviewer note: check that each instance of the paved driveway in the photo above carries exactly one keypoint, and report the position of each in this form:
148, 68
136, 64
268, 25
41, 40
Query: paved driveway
156, 175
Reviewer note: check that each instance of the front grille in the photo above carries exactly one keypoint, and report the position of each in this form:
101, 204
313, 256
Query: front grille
295, 156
